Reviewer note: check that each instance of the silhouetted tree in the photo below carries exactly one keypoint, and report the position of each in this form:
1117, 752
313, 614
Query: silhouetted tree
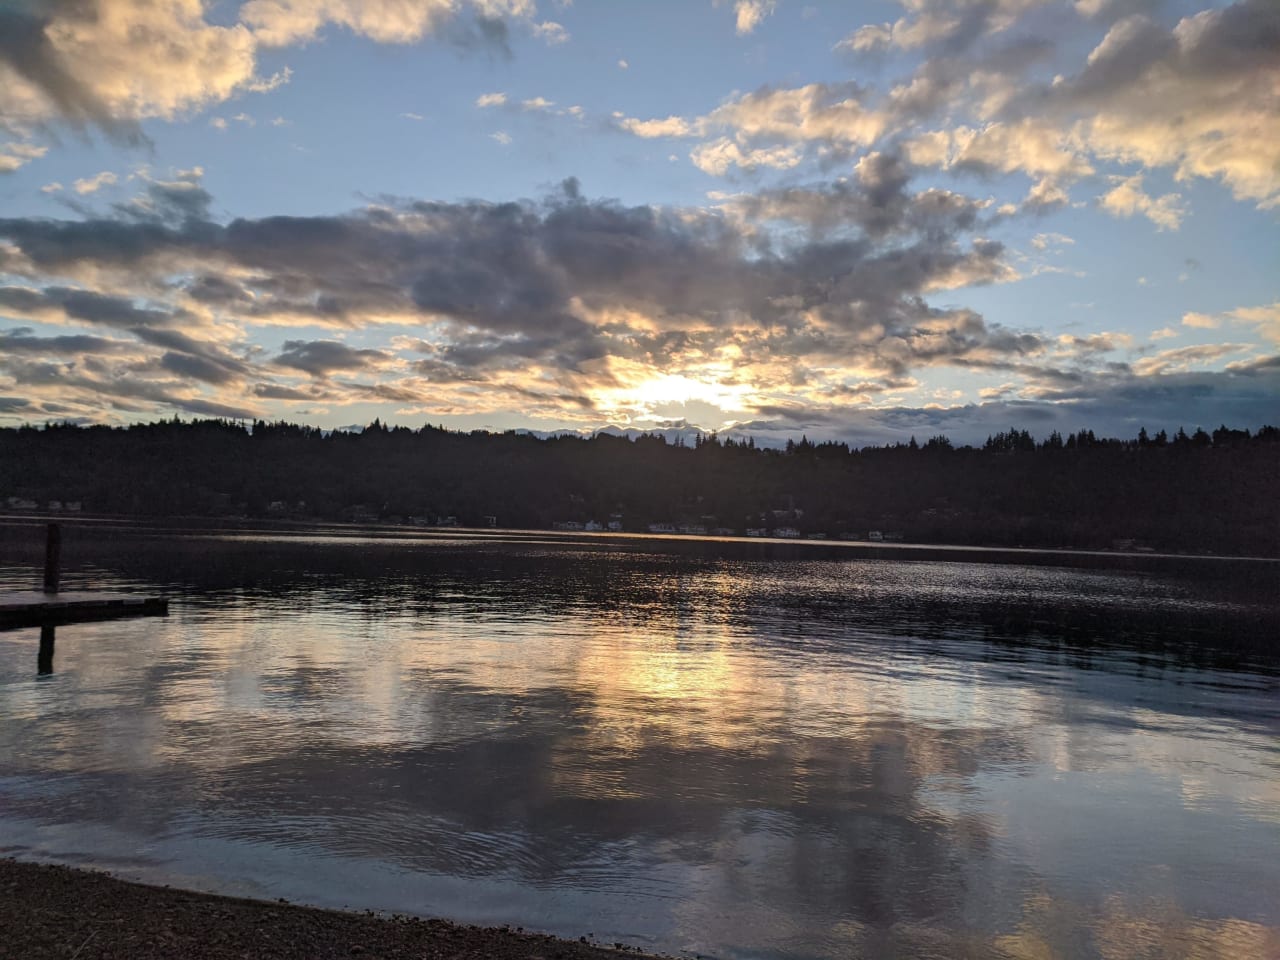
1200, 492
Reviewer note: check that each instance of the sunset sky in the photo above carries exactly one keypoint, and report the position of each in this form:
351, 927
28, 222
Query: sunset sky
854, 220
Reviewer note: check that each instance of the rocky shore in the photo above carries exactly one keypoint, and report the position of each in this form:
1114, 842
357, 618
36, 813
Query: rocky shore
54, 911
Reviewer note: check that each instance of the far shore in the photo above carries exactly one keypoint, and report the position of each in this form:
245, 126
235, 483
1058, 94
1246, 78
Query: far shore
850, 548
49, 911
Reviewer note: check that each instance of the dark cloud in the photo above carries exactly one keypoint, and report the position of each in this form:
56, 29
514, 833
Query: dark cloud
941, 78
271, 391
59, 246
21, 340
91, 384
518, 283
25, 47
1132, 48
83, 305
195, 358
198, 367
1262, 367
170, 202
387, 392
1235, 396
323, 357
217, 290
1115, 407
482, 33
569, 286
438, 371
877, 203
203, 407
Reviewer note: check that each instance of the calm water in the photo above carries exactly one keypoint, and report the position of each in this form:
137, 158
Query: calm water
732, 751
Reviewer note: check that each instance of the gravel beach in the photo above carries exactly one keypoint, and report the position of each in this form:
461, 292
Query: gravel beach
54, 911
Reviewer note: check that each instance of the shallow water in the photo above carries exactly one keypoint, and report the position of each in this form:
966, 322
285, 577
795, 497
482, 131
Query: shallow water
702, 749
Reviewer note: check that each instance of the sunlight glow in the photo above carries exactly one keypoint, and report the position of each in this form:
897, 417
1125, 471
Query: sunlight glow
641, 391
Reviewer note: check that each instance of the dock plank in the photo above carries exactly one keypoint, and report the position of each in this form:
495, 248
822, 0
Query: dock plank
35, 609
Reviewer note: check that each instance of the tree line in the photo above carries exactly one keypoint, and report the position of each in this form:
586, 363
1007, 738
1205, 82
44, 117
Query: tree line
1199, 492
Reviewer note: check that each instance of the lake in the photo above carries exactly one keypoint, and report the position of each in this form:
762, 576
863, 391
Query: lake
734, 750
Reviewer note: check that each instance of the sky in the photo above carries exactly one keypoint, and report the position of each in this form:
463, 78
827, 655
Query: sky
858, 220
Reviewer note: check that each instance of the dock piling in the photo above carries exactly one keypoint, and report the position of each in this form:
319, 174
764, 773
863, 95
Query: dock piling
52, 558
44, 659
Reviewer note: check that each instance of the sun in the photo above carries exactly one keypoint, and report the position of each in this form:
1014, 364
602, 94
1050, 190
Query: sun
645, 393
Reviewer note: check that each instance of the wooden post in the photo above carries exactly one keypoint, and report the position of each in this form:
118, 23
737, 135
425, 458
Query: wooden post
44, 659
52, 558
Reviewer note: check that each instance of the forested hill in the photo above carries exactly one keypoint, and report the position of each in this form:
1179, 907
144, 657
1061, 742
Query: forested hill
1203, 493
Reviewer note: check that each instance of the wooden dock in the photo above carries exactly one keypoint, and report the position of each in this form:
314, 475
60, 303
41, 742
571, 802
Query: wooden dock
37, 609
49, 608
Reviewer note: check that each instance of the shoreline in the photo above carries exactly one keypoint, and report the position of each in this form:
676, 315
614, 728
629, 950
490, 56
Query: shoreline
50, 910
857, 549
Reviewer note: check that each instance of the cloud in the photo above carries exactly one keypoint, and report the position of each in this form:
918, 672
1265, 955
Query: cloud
320, 358
112, 63
873, 36
1126, 198
1113, 403
501, 137
1111, 406
875, 201
21, 340
1027, 146
1181, 359
718, 156
96, 378
534, 302
803, 303
1044, 241
284, 22
749, 14
672, 126
836, 113
59, 304
551, 33
95, 183
1045, 195
771, 127
170, 201
943, 25
409, 115
14, 156
1201, 321
1195, 97
491, 100
1265, 319
214, 289
195, 359
1094, 343
1198, 98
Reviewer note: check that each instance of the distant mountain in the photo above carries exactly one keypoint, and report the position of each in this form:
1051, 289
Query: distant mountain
672, 431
